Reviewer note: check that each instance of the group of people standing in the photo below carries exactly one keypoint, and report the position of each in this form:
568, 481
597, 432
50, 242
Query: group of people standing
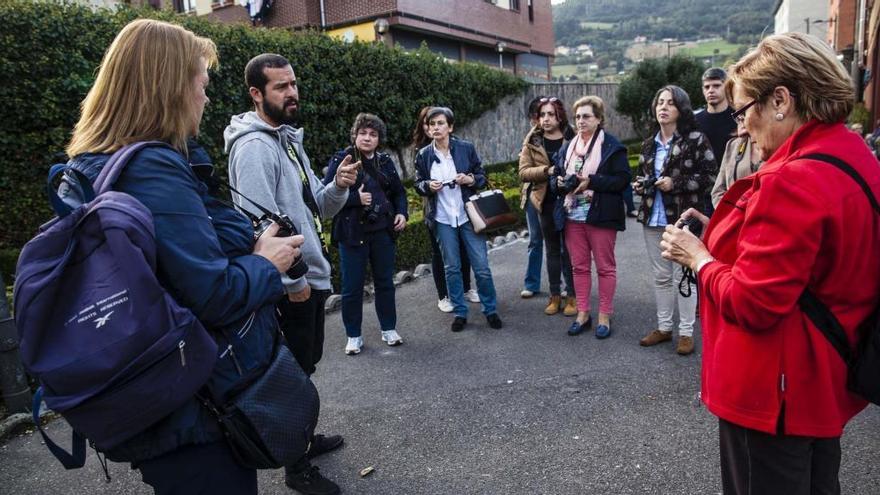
777, 387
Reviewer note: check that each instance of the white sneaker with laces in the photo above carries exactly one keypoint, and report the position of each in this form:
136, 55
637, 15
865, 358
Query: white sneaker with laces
391, 337
445, 305
472, 296
354, 345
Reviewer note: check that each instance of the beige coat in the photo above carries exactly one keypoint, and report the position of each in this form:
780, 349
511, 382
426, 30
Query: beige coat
534, 168
735, 165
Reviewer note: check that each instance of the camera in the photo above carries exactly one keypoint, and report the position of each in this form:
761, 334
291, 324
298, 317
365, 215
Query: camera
693, 224
569, 184
647, 184
286, 228
372, 213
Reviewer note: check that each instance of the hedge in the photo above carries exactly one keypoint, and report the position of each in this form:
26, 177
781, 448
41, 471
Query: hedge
49, 53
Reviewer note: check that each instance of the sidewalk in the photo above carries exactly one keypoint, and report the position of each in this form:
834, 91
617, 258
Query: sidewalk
523, 410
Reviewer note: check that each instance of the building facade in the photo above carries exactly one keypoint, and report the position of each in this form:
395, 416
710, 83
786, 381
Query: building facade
802, 16
512, 35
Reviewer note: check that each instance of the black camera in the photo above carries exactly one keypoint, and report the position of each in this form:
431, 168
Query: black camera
286, 228
647, 184
372, 213
569, 184
694, 225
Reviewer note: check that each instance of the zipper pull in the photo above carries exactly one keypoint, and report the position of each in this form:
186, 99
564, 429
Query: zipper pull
180, 346
782, 382
234, 360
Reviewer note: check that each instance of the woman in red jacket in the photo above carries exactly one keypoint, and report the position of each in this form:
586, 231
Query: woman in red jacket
775, 382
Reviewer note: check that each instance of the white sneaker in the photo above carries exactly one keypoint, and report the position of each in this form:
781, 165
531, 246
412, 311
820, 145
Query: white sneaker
526, 293
445, 305
472, 296
354, 345
391, 337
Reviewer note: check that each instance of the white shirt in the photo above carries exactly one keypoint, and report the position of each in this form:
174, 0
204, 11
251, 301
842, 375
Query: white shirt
450, 207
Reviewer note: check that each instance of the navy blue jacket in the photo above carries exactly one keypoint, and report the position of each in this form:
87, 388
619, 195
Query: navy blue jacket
607, 184
348, 224
205, 261
466, 160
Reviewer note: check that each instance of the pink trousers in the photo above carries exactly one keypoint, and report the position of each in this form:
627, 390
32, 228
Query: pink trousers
587, 243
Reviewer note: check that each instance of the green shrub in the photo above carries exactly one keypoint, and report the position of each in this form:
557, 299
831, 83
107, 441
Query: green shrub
49, 53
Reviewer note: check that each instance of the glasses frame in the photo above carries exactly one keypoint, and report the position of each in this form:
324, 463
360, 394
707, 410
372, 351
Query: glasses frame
739, 116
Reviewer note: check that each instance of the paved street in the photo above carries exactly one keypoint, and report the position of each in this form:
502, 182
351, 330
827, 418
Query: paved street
523, 410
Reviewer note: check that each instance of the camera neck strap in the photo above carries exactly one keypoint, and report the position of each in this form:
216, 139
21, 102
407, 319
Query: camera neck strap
218, 183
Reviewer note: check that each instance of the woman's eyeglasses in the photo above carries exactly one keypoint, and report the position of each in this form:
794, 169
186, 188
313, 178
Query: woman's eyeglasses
739, 116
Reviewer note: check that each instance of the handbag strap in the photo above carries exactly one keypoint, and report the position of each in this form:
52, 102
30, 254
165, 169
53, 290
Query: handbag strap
816, 311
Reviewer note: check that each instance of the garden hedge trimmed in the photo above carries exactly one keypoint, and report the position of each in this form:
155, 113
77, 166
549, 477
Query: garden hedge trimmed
49, 53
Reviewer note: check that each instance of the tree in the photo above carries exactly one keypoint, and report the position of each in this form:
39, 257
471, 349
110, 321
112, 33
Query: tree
637, 90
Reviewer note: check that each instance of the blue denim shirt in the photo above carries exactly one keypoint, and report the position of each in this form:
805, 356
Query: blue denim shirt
658, 213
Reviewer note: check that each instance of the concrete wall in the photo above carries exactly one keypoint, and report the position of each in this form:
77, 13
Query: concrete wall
498, 134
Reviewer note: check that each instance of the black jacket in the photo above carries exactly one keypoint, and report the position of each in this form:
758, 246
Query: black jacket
467, 161
607, 184
348, 224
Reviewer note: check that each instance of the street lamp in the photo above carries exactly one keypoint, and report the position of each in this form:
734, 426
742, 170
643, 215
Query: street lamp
381, 26
500, 46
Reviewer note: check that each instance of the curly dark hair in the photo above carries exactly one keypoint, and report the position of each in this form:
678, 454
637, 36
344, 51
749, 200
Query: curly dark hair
369, 121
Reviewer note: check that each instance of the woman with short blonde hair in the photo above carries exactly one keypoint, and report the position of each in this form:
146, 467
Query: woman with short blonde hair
777, 257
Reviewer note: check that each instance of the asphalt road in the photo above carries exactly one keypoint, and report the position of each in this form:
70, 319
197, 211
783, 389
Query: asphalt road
523, 410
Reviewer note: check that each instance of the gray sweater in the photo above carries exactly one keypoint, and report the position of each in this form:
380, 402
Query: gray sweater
260, 168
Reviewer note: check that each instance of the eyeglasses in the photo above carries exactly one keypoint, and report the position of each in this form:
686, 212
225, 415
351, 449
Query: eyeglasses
739, 116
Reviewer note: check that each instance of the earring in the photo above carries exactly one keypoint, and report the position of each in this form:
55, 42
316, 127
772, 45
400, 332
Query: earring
779, 117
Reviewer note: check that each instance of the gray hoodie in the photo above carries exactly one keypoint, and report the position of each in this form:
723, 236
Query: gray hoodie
260, 168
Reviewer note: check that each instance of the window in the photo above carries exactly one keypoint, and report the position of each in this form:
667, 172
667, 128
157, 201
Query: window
514, 5
531, 12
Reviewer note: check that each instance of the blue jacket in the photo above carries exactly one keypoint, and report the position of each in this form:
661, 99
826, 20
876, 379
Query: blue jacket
205, 261
607, 184
466, 160
348, 224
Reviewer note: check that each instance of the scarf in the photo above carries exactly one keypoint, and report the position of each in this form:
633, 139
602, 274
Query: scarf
583, 165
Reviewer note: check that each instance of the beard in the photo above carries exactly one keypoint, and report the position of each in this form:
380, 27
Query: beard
278, 113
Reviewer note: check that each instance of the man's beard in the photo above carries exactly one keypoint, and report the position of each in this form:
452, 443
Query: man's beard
278, 114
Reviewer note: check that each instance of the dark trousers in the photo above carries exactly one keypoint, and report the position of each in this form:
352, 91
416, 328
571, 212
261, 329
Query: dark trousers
377, 250
302, 324
558, 261
206, 469
628, 199
438, 272
757, 463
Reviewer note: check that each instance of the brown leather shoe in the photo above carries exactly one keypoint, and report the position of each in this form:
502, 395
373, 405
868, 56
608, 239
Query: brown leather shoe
685, 345
654, 338
553, 306
571, 308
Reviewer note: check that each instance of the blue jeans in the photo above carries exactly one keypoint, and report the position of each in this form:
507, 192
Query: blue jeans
378, 249
450, 239
532, 281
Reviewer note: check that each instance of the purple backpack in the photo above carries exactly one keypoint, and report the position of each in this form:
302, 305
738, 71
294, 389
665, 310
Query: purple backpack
113, 351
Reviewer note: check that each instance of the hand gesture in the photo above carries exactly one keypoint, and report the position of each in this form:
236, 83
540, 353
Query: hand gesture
366, 198
435, 185
664, 184
346, 174
399, 222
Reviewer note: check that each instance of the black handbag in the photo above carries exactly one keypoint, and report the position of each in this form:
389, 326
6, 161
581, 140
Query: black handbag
270, 423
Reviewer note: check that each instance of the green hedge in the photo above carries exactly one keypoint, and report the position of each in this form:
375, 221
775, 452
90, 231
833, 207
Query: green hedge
49, 53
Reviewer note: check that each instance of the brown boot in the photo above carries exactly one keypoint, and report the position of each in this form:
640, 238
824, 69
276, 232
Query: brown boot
570, 307
553, 306
685, 345
654, 338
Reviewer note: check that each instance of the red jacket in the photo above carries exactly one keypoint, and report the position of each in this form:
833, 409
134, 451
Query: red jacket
794, 223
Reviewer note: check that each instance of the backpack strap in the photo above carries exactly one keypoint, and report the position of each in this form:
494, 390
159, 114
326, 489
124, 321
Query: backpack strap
113, 169
71, 460
809, 303
61, 208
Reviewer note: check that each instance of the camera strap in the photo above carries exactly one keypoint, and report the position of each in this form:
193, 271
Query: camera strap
308, 196
217, 182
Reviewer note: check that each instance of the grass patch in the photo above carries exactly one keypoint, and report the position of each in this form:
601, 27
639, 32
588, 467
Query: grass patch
707, 49
602, 26
568, 70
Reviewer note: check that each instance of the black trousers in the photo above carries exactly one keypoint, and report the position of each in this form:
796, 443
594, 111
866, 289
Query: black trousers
208, 469
555, 253
757, 463
302, 324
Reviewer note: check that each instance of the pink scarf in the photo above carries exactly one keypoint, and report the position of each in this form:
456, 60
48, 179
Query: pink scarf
589, 167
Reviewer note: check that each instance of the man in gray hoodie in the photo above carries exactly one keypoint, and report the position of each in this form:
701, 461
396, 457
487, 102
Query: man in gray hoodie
268, 164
